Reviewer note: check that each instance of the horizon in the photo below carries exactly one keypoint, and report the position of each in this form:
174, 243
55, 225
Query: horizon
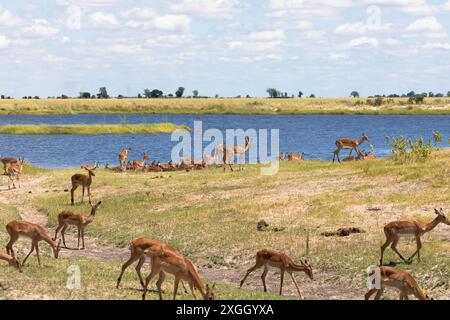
224, 47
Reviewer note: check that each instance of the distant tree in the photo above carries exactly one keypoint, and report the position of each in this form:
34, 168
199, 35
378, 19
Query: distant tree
411, 94
248, 96
84, 95
312, 95
424, 94
195, 93
448, 94
103, 93
439, 95
170, 95
273, 93
180, 91
36, 97
431, 94
300, 94
63, 96
354, 94
155, 93
120, 96
3, 96
147, 93
216, 96
139, 96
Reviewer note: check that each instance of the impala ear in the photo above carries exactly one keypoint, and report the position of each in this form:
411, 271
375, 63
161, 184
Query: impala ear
437, 212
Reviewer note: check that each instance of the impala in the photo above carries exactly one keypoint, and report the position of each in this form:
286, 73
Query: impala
360, 156
7, 161
36, 233
88, 166
123, 156
167, 166
396, 229
351, 144
296, 157
12, 261
169, 261
139, 164
398, 279
84, 181
67, 218
269, 258
154, 167
229, 152
13, 171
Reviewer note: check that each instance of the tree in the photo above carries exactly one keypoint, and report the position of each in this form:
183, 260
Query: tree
179, 93
156, 93
312, 95
448, 94
103, 93
411, 94
84, 95
431, 94
3, 96
195, 93
273, 93
300, 94
354, 94
139, 96
439, 95
147, 93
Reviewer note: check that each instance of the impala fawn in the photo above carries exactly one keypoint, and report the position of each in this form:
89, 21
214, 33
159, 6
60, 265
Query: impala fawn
269, 258
351, 144
168, 261
12, 261
67, 218
398, 279
14, 170
36, 233
396, 229
82, 180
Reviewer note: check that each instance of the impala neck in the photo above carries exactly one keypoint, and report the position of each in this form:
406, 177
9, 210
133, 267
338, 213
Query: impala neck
420, 294
298, 267
50, 241
360, 142
93, 211
429, 227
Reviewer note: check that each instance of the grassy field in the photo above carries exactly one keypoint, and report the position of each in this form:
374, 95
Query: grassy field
91, 129
224, 106
211, 217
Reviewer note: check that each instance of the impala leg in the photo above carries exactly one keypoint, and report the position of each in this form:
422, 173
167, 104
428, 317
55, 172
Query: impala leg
63, 233
72, 191
249, 271
419, 246
57, 230
37, 254
191, 285
379, 294
159, 283
383, 248
153, 273
139, 267
89, 192
79, 236
82, 237
32, 249
296, 286
126, 265
370, 293
394, 247
175, 287
281, 282
82, 195
9, 246
263, 277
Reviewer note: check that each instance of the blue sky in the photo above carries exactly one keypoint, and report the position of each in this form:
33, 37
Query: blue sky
225, 47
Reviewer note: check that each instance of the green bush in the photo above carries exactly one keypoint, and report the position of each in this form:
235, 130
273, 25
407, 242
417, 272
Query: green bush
413, 149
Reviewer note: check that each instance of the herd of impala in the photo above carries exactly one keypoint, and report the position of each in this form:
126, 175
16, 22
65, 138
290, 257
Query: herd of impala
167, 260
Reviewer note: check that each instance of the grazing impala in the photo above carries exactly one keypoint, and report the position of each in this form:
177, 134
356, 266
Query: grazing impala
269, 258
351, 144
398, 279
229, 152
36, 233
138, 250
169, 261
396, 229
12, 261
139, 164
13, 171
67, 218
84, 181
123, 156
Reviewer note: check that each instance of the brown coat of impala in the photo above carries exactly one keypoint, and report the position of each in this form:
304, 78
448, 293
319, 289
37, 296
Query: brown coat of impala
296, 157
14, 170
268, 258
169, 261
351, 144
8, 161
123, 156
140, 164
12, 261
35, 232
69, 218
138, 250
396, 229
229, 152
398, 279
84, 181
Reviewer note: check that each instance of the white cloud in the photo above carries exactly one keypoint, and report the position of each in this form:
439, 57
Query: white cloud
427, 26
101, 19
4, 42
88, 3
310, 8
7, 19
221, 9
39, 28
337, 56
315, 34
363, 41
360, 28
139, 13
270, 35
436, 45
391, 42
303, 25
172, 22
446, 6
412, 7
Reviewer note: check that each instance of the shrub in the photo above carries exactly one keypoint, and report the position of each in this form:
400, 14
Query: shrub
413, 149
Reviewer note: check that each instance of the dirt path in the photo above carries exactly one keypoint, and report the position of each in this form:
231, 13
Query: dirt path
323, 287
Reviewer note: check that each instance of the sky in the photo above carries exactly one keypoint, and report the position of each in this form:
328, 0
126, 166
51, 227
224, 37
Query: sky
224, 47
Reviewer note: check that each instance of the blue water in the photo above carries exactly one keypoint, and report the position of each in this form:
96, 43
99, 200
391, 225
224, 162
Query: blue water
312, 134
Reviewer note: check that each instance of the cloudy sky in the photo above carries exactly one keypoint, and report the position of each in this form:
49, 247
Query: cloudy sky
225, 47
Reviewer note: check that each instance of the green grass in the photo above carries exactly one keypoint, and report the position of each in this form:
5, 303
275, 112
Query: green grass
223, 106
97, 129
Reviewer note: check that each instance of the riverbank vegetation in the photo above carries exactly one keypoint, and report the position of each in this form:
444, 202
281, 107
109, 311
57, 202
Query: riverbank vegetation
227, 106
96, 129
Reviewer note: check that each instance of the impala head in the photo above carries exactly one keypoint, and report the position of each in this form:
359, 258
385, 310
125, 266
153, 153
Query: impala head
365, 137
308, 270
146, 157
15, 263
209, 293
442, 217
95, 206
